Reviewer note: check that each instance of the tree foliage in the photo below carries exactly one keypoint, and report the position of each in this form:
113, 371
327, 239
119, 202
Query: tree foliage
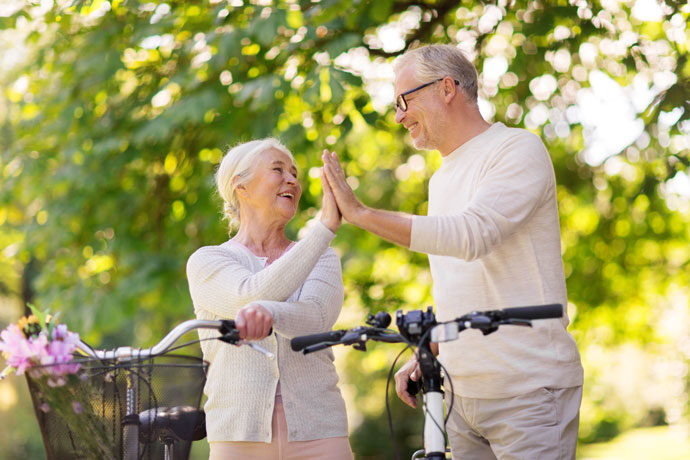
115, 115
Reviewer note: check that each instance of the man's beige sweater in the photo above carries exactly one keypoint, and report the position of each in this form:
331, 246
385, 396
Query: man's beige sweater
303, 290
493, 239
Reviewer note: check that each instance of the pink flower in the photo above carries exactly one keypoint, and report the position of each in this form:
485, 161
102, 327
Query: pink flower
55, 351
22, 353
60, 350
13, 345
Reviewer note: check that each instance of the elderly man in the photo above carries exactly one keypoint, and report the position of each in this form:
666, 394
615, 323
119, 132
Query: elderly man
493, 239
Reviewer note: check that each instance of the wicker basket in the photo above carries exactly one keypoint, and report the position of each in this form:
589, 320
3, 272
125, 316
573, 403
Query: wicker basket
87, 415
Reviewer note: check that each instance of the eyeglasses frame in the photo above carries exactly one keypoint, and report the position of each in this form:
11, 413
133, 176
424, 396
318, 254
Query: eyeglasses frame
401, 96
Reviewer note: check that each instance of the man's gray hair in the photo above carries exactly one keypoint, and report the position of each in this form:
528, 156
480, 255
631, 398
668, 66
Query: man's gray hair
438, 61
237, 168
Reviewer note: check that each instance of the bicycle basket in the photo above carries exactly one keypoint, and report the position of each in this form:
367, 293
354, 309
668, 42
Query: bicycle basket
109, 410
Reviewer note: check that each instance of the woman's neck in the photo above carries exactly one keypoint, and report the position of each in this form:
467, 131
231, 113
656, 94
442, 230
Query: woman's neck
263, 241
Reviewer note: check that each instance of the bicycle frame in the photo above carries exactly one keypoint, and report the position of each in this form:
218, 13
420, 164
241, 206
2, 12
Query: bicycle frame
420, 328
432, 394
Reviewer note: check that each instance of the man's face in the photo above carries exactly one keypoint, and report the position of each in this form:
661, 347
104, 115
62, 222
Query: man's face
420, 118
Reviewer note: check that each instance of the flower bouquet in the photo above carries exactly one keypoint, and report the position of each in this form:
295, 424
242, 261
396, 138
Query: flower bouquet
44, 350
91, 408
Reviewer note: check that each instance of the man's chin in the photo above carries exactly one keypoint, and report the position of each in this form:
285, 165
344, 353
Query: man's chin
420, 143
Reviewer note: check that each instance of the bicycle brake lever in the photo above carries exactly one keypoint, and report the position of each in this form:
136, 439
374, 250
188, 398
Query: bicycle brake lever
258, 348
517, 322
318, 347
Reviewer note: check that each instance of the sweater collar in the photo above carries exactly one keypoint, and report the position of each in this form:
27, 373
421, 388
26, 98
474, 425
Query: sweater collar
262, 259
479, 139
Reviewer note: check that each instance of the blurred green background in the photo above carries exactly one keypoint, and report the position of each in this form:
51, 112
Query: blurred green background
114, 115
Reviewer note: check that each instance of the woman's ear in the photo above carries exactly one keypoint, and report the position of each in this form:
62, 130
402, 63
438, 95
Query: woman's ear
240, 189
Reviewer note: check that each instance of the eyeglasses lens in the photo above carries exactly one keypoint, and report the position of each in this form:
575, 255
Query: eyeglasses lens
401, 103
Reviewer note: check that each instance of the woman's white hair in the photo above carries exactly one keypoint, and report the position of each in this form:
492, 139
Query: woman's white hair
439, 61
237, 168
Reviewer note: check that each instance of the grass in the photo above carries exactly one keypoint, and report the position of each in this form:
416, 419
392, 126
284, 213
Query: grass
656, 443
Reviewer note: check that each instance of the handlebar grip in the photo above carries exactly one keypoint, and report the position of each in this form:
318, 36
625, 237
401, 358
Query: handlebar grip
413, 387
301, 342
226, 325
554, 310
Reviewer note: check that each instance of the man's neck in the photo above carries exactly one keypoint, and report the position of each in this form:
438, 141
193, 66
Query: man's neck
465, 125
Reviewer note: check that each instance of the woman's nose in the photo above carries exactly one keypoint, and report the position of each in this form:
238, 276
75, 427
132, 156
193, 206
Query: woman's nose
399, 114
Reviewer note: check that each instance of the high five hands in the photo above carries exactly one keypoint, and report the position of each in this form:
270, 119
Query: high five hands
330, 214
393, 226
350, 207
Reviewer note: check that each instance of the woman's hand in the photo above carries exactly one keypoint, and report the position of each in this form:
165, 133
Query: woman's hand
330, 214
348, 204
253, 322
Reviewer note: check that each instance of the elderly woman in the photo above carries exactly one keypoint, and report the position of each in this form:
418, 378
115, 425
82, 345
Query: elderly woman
275, 289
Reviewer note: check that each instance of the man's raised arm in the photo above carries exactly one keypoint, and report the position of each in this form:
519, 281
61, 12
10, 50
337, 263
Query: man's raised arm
393, 226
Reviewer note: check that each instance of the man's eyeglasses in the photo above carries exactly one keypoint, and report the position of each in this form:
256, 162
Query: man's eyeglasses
400, 101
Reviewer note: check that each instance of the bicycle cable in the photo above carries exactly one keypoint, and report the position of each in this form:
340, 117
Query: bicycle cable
426, 412
151, 392
452, 395
388, 408
186, 344
445, 371
450, 381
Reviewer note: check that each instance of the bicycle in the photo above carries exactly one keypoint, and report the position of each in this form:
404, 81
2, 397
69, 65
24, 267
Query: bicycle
420, 328
132, 403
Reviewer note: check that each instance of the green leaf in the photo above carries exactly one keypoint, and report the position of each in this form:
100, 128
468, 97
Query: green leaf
380, 10
342, 44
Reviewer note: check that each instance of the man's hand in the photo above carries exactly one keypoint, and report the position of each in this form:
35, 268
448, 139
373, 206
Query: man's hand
253, 322
348, 203
393, 226
409, 370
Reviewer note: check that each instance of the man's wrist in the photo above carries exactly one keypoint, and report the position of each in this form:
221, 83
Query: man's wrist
359, 216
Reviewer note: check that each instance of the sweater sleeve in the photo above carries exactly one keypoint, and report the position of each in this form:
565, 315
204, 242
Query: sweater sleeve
512, 187
318, 305
221, 284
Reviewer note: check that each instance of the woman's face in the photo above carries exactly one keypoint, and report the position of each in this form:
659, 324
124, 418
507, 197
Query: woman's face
274, 187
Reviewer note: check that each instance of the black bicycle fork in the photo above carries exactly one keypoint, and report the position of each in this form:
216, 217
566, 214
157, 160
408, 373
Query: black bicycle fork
432, 394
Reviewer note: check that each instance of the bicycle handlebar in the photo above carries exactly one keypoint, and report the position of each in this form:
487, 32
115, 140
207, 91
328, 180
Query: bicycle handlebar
487, 321
225, 327
357, 337
304, 341
554, 310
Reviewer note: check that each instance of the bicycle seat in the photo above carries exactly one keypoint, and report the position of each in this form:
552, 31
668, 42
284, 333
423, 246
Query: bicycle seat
180, 423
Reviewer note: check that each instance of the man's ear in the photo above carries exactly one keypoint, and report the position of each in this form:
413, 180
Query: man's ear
450, 89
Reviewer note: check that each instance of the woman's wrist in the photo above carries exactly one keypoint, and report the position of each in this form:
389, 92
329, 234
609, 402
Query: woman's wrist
330, 225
